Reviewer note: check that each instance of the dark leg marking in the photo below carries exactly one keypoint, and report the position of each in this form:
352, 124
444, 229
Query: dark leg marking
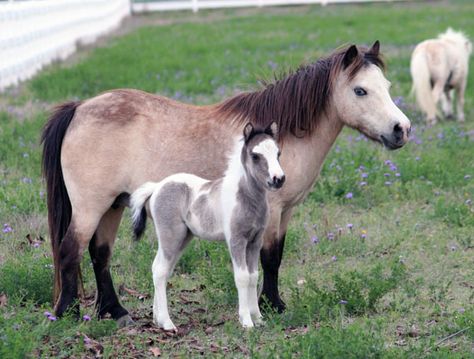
69, 261
271, 260
107, 300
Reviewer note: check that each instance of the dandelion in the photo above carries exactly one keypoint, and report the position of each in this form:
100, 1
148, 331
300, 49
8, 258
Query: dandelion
349, 195
334, 258
315, 239
342, 301
86, 318
349, 226
7, 228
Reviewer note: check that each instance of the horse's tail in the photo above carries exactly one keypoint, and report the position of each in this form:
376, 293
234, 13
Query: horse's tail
59, 205
421, 87
137, 203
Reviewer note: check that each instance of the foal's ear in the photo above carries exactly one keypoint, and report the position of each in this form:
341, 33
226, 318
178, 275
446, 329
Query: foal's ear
248, 129
350, 55
375, 49
272, 130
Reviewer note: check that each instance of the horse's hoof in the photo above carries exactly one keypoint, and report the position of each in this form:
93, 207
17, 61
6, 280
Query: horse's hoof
450, 116
125, 321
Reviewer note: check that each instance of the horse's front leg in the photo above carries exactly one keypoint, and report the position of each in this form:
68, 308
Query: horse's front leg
162, 267
271, 256
461, 88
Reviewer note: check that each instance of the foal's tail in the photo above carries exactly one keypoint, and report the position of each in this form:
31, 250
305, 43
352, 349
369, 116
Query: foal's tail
421, 87
137, 202
59, 205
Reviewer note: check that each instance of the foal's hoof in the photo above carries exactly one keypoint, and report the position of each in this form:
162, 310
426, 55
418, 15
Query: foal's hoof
125, 321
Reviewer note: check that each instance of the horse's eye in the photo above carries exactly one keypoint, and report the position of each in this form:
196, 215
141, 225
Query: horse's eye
359, 91
255, 157
279, 154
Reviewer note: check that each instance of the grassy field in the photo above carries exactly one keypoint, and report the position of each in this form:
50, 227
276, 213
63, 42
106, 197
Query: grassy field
388, 273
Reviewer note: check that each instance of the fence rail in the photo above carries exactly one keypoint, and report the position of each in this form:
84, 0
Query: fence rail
35, 33
196, 5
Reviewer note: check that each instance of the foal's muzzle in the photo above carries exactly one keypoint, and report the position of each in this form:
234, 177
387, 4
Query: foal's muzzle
277, 182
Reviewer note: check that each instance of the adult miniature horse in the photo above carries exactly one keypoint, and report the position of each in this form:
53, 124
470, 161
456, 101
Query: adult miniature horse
98, 151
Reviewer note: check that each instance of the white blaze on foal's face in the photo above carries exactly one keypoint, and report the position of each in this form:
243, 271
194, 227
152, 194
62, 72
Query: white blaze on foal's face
268, 152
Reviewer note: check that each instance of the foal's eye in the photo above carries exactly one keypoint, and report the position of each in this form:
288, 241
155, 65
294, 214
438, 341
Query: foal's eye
279, 154
255, 157
359, 91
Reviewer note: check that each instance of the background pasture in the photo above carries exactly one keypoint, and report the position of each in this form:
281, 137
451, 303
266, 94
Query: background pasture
379, 259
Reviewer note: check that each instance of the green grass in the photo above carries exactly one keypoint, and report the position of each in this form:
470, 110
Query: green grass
395, 284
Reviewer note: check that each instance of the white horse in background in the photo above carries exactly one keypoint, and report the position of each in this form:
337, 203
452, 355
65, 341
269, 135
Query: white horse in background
438, 68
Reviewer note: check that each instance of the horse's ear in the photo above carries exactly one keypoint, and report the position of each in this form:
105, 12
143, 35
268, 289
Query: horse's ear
350, 55
375, 49
248, 129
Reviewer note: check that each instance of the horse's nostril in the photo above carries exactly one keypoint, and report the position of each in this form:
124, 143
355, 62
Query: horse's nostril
397, 128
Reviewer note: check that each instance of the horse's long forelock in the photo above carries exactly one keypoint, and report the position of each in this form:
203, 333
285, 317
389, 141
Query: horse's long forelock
296, 101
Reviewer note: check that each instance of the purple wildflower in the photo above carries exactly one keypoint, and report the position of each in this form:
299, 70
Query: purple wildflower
27, 180
468, 201
461, 310
36, 244
47, 314
386, 174
388, 162
398, 101
315, 239
334, 258
466, 177
273, 65
362, 183
349, 195
361, 167
397, 174
453, 248
7, 228
330, 236
52, 318
87, 340
364, 175
417, 158
349, 225
393, 168
342, 301
440, 135
388, 183
86, 318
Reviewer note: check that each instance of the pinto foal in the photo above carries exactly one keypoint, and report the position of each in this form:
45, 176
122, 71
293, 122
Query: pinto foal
233, 208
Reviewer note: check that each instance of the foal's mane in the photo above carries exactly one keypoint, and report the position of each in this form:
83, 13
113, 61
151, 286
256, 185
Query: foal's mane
297, 100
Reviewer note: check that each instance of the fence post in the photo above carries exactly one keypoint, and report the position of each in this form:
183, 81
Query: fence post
195, 6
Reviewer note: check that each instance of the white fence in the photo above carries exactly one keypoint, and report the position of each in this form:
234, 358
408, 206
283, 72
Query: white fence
35, 33
165, 5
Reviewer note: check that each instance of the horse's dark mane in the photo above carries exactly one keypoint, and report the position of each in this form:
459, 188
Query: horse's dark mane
297, 100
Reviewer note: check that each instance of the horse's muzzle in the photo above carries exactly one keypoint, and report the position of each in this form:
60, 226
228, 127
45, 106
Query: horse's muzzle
398, 138
276, 182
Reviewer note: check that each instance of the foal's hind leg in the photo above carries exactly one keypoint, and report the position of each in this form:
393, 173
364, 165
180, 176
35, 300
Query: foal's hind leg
460, 89
447, 104
100, 249
171, 244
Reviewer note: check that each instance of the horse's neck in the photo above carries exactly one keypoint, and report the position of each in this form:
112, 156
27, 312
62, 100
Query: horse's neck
304, 158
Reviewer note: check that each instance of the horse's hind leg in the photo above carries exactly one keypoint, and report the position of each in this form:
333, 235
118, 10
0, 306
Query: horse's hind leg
447, 103
78, 235
461, 88
100, 249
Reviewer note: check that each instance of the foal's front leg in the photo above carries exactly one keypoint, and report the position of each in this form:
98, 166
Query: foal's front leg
253, 252
237, 248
